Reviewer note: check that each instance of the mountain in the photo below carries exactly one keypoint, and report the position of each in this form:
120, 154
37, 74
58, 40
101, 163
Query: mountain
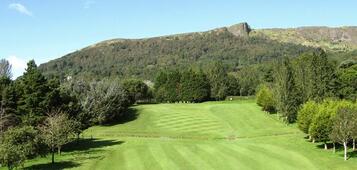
236, 46
333, 39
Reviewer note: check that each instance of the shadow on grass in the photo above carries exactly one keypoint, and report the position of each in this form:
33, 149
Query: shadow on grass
353, 154
55, 166
130, 115
86, 144
338, 147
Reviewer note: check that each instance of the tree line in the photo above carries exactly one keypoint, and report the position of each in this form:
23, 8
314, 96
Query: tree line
38, 116
317, 93
195, 85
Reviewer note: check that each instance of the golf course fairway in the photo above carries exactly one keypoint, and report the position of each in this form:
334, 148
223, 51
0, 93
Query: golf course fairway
210, 135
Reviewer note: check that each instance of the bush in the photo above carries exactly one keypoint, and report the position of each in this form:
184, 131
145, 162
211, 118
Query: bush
17, 145
265, 99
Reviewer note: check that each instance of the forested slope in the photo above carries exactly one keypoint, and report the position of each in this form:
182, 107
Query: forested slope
142, 58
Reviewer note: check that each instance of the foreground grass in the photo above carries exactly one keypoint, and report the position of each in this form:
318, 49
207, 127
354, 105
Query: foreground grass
212, 135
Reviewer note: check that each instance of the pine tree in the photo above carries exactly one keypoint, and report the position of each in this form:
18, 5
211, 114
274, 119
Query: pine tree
34, 88
288, 100
322, 75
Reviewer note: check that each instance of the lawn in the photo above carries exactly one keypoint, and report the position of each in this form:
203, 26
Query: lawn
211, 135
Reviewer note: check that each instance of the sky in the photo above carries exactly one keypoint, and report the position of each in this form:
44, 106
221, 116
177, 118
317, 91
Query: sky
45, 30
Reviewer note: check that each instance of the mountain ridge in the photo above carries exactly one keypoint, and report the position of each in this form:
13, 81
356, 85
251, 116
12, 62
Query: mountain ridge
237, 45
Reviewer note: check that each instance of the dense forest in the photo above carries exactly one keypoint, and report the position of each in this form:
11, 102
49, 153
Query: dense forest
143, 58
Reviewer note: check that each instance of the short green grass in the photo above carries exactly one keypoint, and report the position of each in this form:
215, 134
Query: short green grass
211, 135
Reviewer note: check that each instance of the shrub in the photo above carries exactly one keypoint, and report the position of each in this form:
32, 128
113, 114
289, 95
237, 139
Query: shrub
265, 99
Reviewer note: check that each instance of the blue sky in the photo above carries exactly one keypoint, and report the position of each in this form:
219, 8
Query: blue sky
45, 30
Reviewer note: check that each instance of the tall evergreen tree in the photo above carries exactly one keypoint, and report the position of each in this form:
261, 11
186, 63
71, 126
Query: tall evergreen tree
288, 100
35, 89
322, 75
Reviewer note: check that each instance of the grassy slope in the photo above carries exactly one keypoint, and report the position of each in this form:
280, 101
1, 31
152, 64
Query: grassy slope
212, 135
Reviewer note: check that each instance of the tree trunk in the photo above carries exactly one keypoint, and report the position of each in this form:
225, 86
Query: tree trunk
325, 146
345, 146
313, 140
354, 144
309, 137
59, 150
334, 147
53, 155
77, 140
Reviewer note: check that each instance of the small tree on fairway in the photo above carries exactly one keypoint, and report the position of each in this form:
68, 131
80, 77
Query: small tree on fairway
56, 131
344, 126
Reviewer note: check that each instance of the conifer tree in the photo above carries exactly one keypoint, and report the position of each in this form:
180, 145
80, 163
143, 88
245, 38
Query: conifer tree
288, 101
34, 88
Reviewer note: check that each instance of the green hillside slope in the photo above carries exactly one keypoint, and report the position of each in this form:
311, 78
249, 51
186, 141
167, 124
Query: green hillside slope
144, 57
237, 46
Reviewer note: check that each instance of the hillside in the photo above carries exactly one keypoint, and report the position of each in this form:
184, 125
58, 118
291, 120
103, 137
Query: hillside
237, 46
331, 39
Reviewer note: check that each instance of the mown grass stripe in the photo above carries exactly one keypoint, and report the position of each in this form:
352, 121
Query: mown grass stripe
191, 153
176, 156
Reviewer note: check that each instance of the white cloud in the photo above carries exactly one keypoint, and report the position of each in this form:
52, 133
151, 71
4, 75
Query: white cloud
88, 4
18, 65
20, 8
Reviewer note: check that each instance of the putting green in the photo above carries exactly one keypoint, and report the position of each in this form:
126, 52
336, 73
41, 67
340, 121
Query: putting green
211, 135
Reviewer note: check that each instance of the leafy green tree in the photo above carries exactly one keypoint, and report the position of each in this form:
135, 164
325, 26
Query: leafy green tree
249, 78
8, 106
288, 99
105, 101
137, 89
160, 80
347, 76
305, 115
315, 76
217, 76
194, 87
233, 87
344, 126
56, 131
167, 86
265, 98
17, 145
322, 122
66, 97
303, 75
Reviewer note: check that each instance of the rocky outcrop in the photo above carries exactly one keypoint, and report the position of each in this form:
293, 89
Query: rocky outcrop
241, 30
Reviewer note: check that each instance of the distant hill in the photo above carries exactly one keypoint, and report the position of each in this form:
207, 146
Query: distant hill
236, 46
331, 39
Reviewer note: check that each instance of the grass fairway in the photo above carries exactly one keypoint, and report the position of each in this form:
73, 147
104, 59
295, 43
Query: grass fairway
211, 135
